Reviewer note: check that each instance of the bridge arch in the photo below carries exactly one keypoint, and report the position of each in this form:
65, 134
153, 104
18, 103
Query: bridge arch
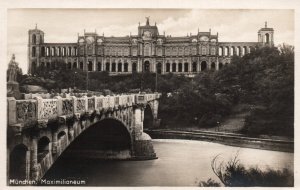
109, 138
43, 148
148, 117
18, 162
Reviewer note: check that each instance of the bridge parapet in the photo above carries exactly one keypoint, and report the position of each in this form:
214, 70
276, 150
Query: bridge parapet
53, 124
25, 112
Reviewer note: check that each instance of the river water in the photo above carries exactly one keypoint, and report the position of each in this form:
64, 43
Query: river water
179, 163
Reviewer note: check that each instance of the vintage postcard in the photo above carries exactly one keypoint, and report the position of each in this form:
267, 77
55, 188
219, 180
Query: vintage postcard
149, 96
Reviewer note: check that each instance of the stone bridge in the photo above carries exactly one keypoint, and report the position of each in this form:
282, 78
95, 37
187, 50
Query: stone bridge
110, 127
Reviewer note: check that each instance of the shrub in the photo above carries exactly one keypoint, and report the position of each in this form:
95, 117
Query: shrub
234, 174
209, 183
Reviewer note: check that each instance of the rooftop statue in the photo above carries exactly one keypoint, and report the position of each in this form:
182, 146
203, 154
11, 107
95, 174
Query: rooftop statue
12, 84
13, 68
147, 20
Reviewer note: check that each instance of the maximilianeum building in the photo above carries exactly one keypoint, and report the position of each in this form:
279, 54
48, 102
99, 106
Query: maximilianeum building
148, 51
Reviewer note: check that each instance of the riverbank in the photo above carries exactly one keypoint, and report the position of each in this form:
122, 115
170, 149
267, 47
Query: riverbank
230, 139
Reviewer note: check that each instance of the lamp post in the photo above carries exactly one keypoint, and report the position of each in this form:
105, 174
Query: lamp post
142, 78
74, 80
87, 80
156, 79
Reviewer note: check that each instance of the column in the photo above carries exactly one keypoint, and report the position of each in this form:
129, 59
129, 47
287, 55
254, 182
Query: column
34, 161
110, 65
129, 66
102, 64
223, 51
138, 121
94, 65
54, 143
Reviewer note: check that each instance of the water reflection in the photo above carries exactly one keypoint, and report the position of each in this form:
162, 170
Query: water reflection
180, 163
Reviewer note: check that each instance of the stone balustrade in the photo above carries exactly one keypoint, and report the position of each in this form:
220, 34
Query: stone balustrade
51, 95
38, 108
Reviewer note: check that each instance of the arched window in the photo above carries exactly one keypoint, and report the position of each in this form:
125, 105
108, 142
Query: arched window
179, 67
53, 51
221, 51
158, 68
203, 51
226, 51
175, 51
186, 51
186, 67
113, 67
213, 51
134, 69
107, 66
203, 65
99, 66
69, 65
238, 51
213, 66
147, 66
119, 67
231, 51
42, 65
48, 65
33, 67
63, 51
48, 51
43, 51
58, 51
147, 50
75, 51
81, 65
220, 65
244, 50
34, 39
168, 67
75, 65
194, 67
90, 66
125, 67
33, 51
174, 67
267, 36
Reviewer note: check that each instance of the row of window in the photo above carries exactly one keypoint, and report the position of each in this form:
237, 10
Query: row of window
72, 51
35, 38
114, 67
234, 50
119, 67
55, 51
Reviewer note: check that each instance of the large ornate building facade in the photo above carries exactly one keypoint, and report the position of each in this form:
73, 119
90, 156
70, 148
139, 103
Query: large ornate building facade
148, 51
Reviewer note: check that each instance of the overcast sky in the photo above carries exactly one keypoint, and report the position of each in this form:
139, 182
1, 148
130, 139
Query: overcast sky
62, 25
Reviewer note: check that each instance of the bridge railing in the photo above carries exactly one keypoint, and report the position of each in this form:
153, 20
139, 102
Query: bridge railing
24, 111
51, 95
